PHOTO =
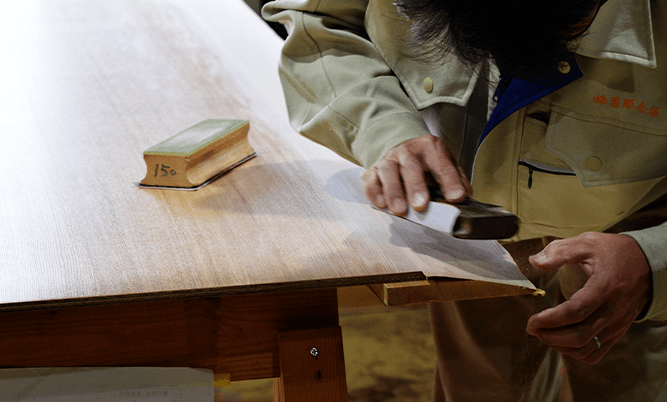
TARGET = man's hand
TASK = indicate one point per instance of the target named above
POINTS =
(617, 290)
(404, 169)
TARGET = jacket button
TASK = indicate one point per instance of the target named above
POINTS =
(594, 163)
(564, 67)
(428, 84)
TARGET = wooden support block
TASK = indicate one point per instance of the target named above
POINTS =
(358, 300)
(443, 289)
(194, 156)
(312, 366)
(278, 390)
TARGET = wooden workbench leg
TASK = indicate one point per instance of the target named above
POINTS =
(312, 366)
(277, 390)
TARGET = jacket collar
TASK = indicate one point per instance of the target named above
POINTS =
(623, 31)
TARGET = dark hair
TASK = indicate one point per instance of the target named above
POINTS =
(529, 34)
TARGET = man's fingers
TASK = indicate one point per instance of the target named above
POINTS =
(589, 346)
(591, 354)
(392, 187)
(372, 186)
(403, 170)
(580, 306)
(440, 162)
(617, 289)
(450, 182)
(578, 353)
(598, 354)
(448, 176)
(560, 252)
(572, 336)
(412, 173)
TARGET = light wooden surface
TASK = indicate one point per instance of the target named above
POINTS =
(91, 85)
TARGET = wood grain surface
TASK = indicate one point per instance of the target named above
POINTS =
(91, 85)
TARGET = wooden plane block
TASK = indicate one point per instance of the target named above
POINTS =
(198, 154)
(443, 289)
(312, 366)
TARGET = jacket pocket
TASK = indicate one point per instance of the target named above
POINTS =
(553, 202)
(555, 197)
(543, 169)
(602, 153)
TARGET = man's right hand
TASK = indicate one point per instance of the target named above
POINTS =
(402, 175)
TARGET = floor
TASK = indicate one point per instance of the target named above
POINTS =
(389, 357)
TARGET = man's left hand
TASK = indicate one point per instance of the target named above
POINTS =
(617, 290)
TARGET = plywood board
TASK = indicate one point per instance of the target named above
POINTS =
(92, 84)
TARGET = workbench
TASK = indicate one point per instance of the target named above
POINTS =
(239, 277)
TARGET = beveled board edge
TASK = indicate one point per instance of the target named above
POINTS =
(211, 292)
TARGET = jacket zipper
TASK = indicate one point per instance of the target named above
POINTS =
(537, 167)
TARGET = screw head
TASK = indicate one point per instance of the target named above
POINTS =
(314, 352)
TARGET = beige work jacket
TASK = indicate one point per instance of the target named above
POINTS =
(588, 157)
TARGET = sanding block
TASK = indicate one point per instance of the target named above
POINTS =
(469, 219)
(198, 155)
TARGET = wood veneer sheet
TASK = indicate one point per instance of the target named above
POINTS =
(481, 260)
(484, 260)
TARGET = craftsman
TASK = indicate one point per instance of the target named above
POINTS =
(553, 108)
